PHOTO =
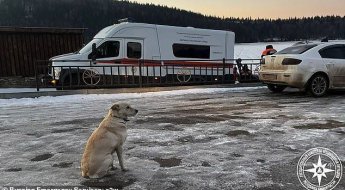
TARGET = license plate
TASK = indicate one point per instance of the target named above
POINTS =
(269, 77)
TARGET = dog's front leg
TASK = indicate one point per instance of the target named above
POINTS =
(119, 156)
(112, 167)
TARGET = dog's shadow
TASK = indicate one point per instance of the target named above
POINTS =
(118, 180)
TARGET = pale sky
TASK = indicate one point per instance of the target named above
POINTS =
(257, 8)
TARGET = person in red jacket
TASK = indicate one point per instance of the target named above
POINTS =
(268, 51)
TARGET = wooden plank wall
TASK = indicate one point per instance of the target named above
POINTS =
(20, 48)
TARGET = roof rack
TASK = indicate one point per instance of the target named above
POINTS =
(125, 20)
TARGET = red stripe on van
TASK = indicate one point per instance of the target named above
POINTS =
(167, 63)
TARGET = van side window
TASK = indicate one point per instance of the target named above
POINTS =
(337, 52)
(191, 51)
(108, 49)
(134, 50)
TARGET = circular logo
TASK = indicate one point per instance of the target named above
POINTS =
(319, 168)
(184, 75)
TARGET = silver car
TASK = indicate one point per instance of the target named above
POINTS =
(316, 67)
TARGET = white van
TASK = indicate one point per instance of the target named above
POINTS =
(126, 43)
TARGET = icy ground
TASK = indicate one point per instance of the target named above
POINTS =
(238, 139)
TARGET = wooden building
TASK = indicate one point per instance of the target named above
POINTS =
(21, 47)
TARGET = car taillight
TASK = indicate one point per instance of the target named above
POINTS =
(291, 61)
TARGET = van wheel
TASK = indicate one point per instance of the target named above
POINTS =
(66, 83)
(318, 85)
(276, 88)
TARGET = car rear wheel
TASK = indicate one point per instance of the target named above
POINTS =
(318, 85)
(276, 88)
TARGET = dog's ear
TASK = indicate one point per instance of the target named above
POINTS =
(115, 107)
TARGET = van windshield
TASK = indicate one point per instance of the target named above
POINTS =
(88, 46)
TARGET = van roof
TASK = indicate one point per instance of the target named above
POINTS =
(110, 31)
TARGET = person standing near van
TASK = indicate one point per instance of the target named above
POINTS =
(268, 51)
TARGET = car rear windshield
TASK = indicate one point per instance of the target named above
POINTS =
(297, 49)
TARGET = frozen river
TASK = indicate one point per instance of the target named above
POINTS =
(219, 138)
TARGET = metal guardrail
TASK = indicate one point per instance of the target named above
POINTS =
(143, 73)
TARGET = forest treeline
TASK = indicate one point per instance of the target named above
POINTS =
(96, 14)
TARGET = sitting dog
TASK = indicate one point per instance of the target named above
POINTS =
(107, 139)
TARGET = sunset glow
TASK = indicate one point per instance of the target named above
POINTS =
(257, 9)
